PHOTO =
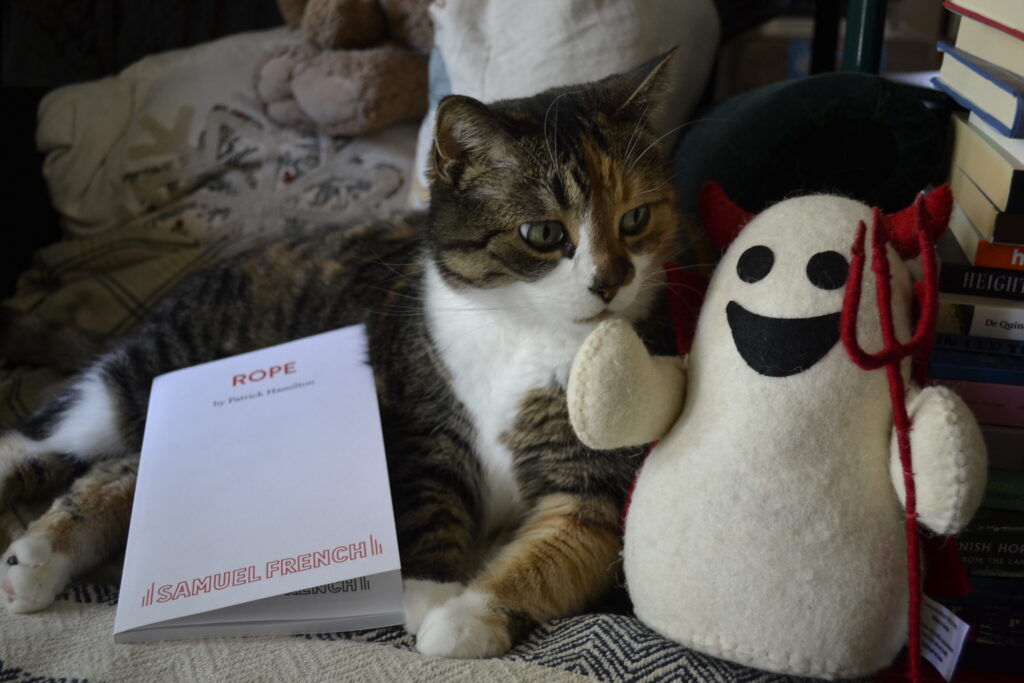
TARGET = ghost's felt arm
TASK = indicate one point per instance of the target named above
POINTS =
(949, 460)
(619, 395)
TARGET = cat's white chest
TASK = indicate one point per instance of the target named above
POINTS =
(495, 356)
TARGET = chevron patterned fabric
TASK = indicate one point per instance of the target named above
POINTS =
(72, 642)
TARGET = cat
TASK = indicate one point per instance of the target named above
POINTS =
(548, 214)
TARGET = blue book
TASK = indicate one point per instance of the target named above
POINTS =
(969, 80)
(985, 345)
(973, 366)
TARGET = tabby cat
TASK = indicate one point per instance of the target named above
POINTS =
(548, 215)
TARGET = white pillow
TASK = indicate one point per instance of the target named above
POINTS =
(179, 139)
(496, 49)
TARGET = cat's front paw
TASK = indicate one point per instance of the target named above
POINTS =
(31, 574)
(422, 595)
(464, 627)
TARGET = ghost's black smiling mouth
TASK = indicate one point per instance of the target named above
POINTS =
(780, 347)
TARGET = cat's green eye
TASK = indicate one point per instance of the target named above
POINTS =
(635, 220)
(543, 235)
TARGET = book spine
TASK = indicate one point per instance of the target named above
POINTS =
(947, 368)
(988, 21)
(990, 168)
(993, 543)
(1005, 446)
(987, 345)
(970, 104)
(986, 590)
(1014, 126)
(993, 255)
(1001, 283)
(996, 404)
(1000, 555)
(1012, 146)
(1004, 490)
(989, 319)
(977, 219)
(995, 611)
(994, 623)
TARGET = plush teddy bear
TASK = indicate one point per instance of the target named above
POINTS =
(363, 67)
(767, 526)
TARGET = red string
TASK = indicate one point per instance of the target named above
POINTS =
(891, 355)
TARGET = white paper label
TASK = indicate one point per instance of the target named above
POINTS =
(942, 636)
(997, 321)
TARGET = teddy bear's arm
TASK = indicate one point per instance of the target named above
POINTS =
(949, 460)
(620, 395)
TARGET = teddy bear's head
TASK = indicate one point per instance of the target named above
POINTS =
(357, 24)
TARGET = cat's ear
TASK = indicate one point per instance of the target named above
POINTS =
(641, 89)
(465, 131)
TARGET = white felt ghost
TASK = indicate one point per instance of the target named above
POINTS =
(767, 526)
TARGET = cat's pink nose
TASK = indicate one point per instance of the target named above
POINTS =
(606, 293)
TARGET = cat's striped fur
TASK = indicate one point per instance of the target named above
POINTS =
(548, 215)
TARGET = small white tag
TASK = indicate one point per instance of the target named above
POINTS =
(942, 636)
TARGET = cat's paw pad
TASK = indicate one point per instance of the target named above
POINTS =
(31, 574)
(465, 627)
(422, 595)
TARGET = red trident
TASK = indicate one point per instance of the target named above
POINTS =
(893, 352)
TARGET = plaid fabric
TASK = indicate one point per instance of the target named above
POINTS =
(105, 284)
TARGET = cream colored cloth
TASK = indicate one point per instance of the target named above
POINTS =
(72, 640)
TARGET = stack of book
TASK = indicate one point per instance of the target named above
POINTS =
(979, 349)
(984, 71)
(988, 373)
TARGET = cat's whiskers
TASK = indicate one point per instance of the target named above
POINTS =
(634, 137)
(691, 266)
(660, 185)
(655, 143)
(660, 138)
(416, 298)
(553, 147)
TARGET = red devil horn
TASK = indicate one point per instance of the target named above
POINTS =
(721, 217)
(939, 203)
(929, 213)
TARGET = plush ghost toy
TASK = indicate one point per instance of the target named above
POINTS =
(766, 527)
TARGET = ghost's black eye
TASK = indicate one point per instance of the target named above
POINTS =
(827, 270)
(755, 263)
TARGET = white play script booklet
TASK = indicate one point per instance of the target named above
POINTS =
(262, 504)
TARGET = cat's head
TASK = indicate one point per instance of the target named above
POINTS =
(561, 204)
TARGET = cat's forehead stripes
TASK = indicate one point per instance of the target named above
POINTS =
(607, 177)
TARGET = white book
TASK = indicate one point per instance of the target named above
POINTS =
(1013, 146)
(262, 504)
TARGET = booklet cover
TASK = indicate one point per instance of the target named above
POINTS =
(262, 504)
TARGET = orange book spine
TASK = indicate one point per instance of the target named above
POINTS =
(999, 255)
